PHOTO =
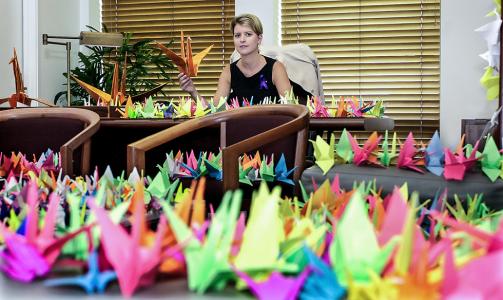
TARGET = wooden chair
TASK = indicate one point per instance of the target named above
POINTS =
(269, 128)
(34, 130)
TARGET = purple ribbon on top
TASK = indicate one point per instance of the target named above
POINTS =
(263, 82)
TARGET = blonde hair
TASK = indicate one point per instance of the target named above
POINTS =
(249, 20)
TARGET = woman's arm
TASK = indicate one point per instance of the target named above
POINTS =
(223, 89)
(224, 85)
(280, 78)
(187, 85)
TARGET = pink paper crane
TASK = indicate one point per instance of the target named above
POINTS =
(132, 261)
(365, 154)
(406, 157)
(457, 164)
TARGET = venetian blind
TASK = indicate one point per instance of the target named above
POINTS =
(206, 21)
(386, 49)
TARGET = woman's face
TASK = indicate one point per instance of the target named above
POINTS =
(246, 40)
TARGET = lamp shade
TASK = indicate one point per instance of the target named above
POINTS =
(106, 39)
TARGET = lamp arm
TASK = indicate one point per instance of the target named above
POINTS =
(46, 37)
(55, 43)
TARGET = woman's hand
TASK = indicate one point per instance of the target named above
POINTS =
(186, 83)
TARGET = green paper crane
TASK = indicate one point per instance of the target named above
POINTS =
(184, 108)
(491, 83)
(403, 257)
(149, 110)
(79, 246)
(355, 250)
(243, 175)
(267, 169)
(343, 148)
(324, 153)
(491, 160)
(201, 109)
(220, 106)
(305, 233)
(213, 166)
(15, 220)
(387, 155)
(208, 262)
(378, 109)
(471, 210)
(161, 186)
(260, 250)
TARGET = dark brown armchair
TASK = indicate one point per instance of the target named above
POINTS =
(33, 130)
(269, 128)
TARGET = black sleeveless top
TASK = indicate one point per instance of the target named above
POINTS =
(256, 87)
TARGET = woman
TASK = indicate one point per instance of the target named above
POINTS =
(253, 76)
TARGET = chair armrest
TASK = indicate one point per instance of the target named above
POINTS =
(230, 154)
(136, 151)
(83, 138)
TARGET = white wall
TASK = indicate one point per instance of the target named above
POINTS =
(268, 12)
(461, 95)
(59, 18)
(10, 37)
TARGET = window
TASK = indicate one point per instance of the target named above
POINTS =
(207, 21)
(387, 49)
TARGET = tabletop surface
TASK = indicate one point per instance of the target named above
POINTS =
(167, 289)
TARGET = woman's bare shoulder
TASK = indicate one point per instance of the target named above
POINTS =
(227, 68)
(226, 73)
(278, 65)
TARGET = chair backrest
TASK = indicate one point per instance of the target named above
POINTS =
(301, 65)
(268, 128)
(34, 130)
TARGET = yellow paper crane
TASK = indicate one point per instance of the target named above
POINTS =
(19, 96)
(186, 63)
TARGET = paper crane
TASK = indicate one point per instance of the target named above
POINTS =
(276, 286)
(31, 254)
(186, 63)
(117, 95)
(19, 95)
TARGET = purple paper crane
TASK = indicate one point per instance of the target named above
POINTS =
(31, 254)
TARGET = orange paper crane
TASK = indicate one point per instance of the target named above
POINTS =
(19, 95)
(114, 96)
(117, 95)
(186, 63)
(192, 211)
